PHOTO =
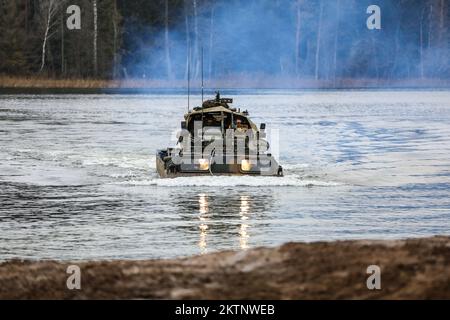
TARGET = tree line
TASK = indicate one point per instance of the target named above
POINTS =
(169, 39)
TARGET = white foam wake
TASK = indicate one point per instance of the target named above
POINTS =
(124, 162)
(293, 167)
(232, 181)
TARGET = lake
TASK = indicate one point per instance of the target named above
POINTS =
(78, 178)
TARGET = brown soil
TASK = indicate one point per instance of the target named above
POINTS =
(410, 269)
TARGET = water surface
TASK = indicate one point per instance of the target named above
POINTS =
(78, 180)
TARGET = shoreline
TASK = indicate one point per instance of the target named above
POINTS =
(36, 85)
(410, 269)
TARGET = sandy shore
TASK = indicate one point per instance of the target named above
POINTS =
(411, 269)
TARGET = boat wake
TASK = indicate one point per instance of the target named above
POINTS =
(233, 181)
(296, 175)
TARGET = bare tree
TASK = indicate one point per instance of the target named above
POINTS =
(430, 24)
(211, 38)
(62, 43)
(94, 53)
(188, 38)
(166, 40)
(336, 35)
(421, 43)
(297, 38)
(27, 13)
(318, 42)
(397, 47)
(442, 7)
(49, 10)
(115, 22)
(196, 42)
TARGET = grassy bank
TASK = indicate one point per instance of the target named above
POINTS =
(36, 82)
(240, 81)
(410, 269)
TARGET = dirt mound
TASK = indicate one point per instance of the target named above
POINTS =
(411, 269)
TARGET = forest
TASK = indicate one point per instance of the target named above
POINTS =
(321, 40)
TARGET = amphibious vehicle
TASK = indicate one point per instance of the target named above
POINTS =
(216, 139)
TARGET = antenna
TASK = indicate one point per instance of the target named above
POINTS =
(202, 75)
(189, 76)
(202, 94)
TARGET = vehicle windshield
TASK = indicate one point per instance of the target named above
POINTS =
(215, 119)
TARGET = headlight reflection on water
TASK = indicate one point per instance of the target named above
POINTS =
(204, 211)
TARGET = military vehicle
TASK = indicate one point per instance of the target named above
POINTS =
(216, 139)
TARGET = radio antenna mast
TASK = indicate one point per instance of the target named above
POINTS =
(202, 95)
(202, 75)
(189, 77)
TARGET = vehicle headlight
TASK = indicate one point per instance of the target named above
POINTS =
(203, 164)
(246, 165)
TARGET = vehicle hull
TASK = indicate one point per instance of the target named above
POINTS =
(166, 169)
